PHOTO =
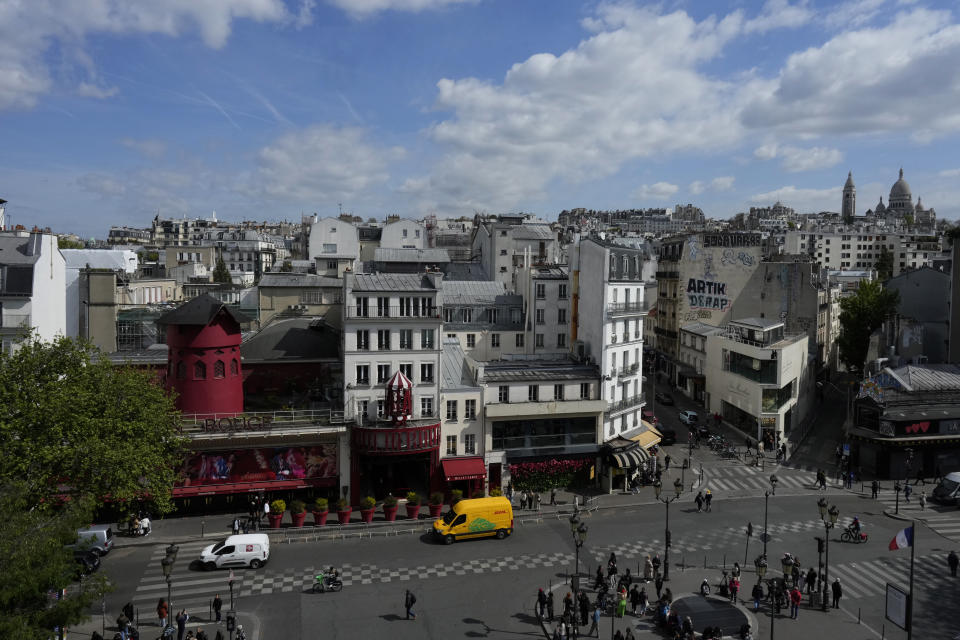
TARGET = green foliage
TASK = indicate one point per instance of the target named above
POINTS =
(456, 496)
(65, 243)
(478, 494)
(436, 498)
(221, 274)
(367, 503)
(413, 498)
(496, 492)
(34, 561)
(71, 423)
(860, 315)
(389, 501)
(884, 265)
(278, 506)
(286, 267)
(908, 219)
(298, 506)
(791, 225)
(321, 505)
(343, 504)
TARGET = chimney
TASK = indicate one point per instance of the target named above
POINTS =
(34, 244)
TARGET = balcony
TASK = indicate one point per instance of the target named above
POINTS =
(633, 402)
(393, 313)
(626, 372)
(627, 308)
(15, 321)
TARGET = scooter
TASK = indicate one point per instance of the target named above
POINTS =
(323, 582)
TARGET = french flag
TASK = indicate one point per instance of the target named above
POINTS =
(902, 540)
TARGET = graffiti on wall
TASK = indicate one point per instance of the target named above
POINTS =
(699, 314)
(741, 259)
(707, 294)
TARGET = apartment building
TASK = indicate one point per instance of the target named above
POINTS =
(860, 248)
(507, 243)
(298, 294)
(486, 322)
(32, 287)
(335, 247)
(546, 299)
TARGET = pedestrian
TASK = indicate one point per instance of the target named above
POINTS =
(796, 597)
(851, 477)
(907, 490)
(236, 526)
(923, 499)
(953, 561)
(128, 610)
(811, 580)
(217, 605)
(708, 499)
(596, 623)
(523, 500)
(874, 489)
(553, 496)
(567, 605)
(408, 601)
(541, 602)
(561, 631)
(757, 594)
(666, 461)
(656, 564)
(734, 588)
(182, 618)
(837, 593)
(629, 634)
(162, 612)
(538, 501)
(550, 606)
(618, 635)
(699, 501)
(634, 599)
(648, 569)
(584, 608)
(644, 601)
(658, 583)
(622, 604)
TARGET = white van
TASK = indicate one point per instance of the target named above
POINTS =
(948, 491)
(98, 538)
(249, 549)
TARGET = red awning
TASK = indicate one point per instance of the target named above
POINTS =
(248, 487)
(464, 469)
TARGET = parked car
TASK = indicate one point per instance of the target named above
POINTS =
(689, 417)
(97, 538)
(669, 436)
(647, 415)
(663, 398)
(87, 561)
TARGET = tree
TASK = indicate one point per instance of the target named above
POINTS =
(884, 265)
(74, 425)
(860, 315)
(220, 273)
(286, 267)
(66, 243)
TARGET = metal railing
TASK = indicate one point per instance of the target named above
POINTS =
(624, 404)
(258, 420)
(628, 371)
(394, 312)
(14, 320)
(627, 307)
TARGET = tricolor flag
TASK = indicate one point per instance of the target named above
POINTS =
(902, 540)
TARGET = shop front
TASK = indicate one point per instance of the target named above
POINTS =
(394, 459)
(465, 473)
(625, 462)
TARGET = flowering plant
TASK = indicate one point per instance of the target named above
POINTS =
(542, 475)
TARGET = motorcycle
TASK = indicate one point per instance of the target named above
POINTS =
(323, 582)
(849, 535)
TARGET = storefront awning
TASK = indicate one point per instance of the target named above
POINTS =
(649, 437)
(631, 458)
(463, 469)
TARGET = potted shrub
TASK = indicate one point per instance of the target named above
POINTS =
(455, 496)
(343, 510)
(478, 494)
(413, 505)
(495, 492)
(436, 504)
(390, 507)
(298, 512)
(277, 507)
(367, 509)
(321, 509)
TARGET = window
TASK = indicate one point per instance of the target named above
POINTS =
(383, 373)
(331, 264)
(381, 408)
(406, 339)
(407, 370)
(182, 369)
(584, 390)
(363, 374)
(234, 367)
(561, 339)
(471, 340)
(539, 338)
(503, 252)
(363, 307)
(219, 369)
(451, 445)
(199, 371)
(416, 233)
(362, 408)
(451, 409)
(494, 339)
(533, 393)
(562, 291)
(329, 248)
(541, 316)
(470, 409)
(492, 315)
(426, 339)
(470, 443)
(562, 316)
(541, 291)
(426, 372)
(503, 269)
(519, 340)
(404, 233)
(383, 339)
(426, 407)
(383, 307)
(503, 394)
(558, 392)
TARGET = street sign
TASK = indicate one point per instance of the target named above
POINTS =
(898, 605)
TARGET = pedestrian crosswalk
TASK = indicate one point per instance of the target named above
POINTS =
(944, 520)
(869, 578)
(738, 478)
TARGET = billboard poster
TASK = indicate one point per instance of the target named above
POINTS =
(262, 464)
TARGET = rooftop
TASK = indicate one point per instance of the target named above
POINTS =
(550, 273)
(930, 377)
(701, 329)
(299, 339)
(432, 256)
(454, 373)
(533, 232)
(533, 370)
(477, 292)
(292, 279)
(200, 311)
(759, 323)
(391, 282)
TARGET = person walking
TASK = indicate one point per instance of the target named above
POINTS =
(734, 588)
(541, 602)
(644, 601)
(923, 500)
(647, 569)
(699, 501)
(523, 500)
(634, 599)
(953, 561)
(796, 597)
(811, 580)
(907, 490)
(757, 594)
(182, 619)
(666, 462)
(550, 606)
(595, 626)
(708, 499)
(538, 501)
(584, 609)
(656, 564)
(658, 583)
(553, 496)
(217, 606)
(408, 601)
(163, 610)
(874, 489)
(837, 593)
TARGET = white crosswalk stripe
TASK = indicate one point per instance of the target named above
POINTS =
(867, 579)
(944, 520)
(739, 478)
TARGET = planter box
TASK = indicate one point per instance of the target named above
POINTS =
(298, 518)
(275, 519)
(436, 510)
(390, 513)
(320, 518)
(367, 515)
(413, 510)
(344, 516)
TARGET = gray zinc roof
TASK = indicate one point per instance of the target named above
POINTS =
(544, 370)
(300, 339)
(533, 232)
(762, 323)
(388, 282)
(930, 377)
(701, 329)
(432, 256)
(292, 279)
(454, 373)
(474, 292)
(13, 250)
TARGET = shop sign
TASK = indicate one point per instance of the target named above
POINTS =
(239, 423)
(950, 427)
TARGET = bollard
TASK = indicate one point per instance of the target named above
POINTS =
(858, 615)
(724, 561)
(202, 523)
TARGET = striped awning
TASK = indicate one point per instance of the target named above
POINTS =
(630, 458)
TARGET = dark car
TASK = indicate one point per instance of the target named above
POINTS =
(87, 561)
(663, 398)
(669, 436)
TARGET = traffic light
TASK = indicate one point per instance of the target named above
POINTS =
(820, 543)
(231, 621)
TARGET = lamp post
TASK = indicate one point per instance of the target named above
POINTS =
(166, 565)
(761, 565)
(829, 518)
(766, 504)
(678, 488)
(897, 488)
(578, 530)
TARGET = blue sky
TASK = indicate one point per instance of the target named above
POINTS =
(113, 110)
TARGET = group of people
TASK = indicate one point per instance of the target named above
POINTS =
(531, 499)
(180, 621)
(139, 524)
(703, 500)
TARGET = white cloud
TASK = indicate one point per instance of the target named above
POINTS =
(852, 14)
(720, 183)
(801, 199)
(949, 173)
(656, 191)
(696, 187)
(101, 184)
(799, 159)
(150, 148)
(322, 164)
(29, 29)
(779, 14)
(364, 8)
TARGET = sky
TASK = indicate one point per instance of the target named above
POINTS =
(112, 111)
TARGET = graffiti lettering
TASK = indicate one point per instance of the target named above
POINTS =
(698, 301)
(705, 286)
(240, 423)
(731, 240)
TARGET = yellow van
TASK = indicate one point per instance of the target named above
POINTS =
(475, 519)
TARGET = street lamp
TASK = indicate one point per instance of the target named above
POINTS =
(578, 530)
(678, 488)
(897, 488)
(761, 564)
(166, 565)
(829, 518)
